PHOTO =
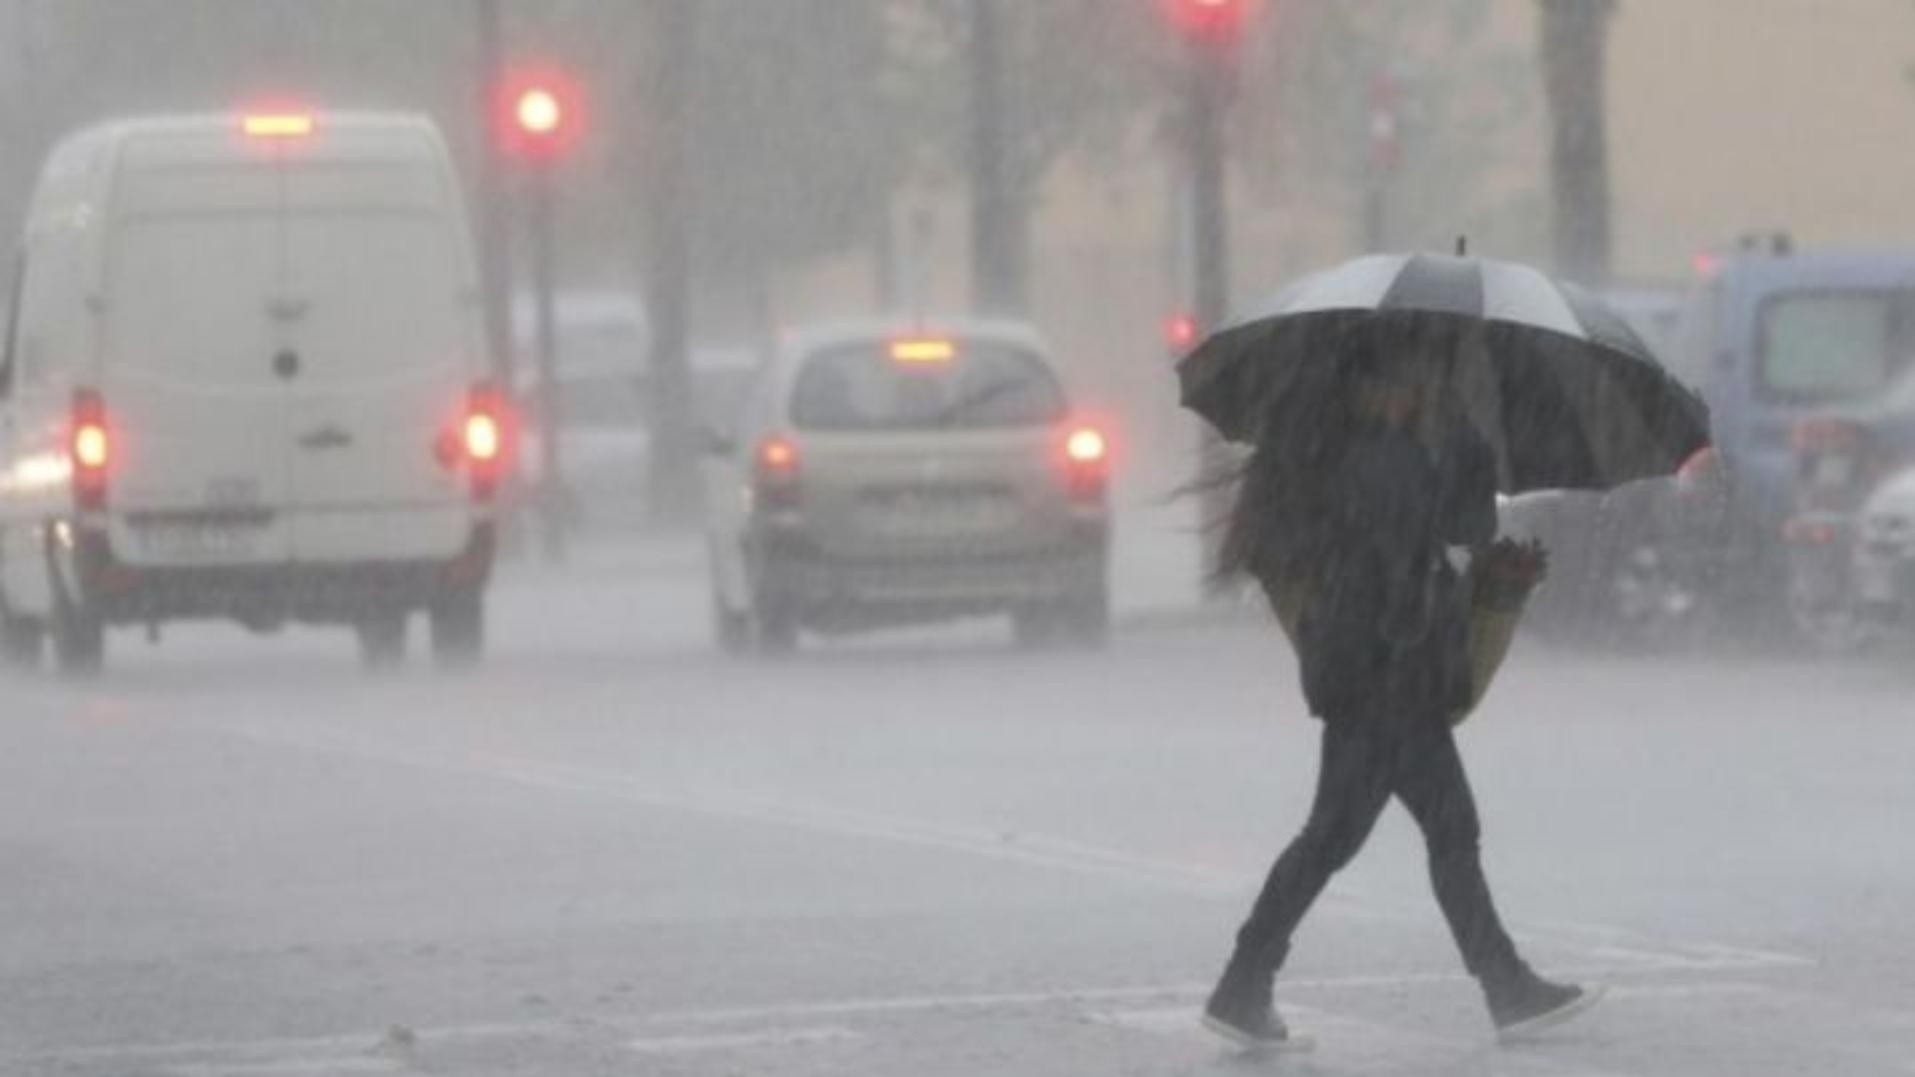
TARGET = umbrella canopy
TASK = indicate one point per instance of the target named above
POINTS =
(1559, 385)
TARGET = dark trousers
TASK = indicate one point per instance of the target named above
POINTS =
(1365, 762)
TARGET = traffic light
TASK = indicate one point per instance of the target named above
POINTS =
(539, 116)
(1208, 20)
(538, 112)
(1181, 333)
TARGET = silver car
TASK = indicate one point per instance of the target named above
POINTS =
(883, 474)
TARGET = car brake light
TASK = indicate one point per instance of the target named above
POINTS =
(482, 437)
(1086, 462)
(777, 455)
(91, 447)
(277, 125)
(1086, 446)
(923, 351)
(775, 470)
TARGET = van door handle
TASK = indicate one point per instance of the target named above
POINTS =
(286, 364)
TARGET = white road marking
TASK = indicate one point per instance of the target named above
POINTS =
(1701, 989)
(1034, 849)
(1157, 1006)
(789, 1037)
(285, 1067)
(1157, 1019)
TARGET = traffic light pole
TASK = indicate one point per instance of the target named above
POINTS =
(551, 493)
(1211, 80)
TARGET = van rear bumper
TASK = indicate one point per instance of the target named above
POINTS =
(264, 596)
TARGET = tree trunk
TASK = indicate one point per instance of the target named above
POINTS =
(665, 99)
(1573, 43)
(1000, 218)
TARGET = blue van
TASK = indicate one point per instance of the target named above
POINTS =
(1786, 348)
(1776, 340)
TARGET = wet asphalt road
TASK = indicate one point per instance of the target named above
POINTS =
(612, 851)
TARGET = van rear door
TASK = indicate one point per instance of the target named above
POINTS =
(197, 413)
(382, 324)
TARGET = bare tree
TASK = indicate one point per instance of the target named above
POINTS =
(1000, 212)
(1038, 80)
(667, 88)
(1573, 45)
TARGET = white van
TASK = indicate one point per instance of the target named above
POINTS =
(244, 377)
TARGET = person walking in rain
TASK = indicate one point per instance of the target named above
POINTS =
(1349, 520)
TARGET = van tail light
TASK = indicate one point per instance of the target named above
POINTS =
(775, 472)
(1086, 462)
(90, 446)
(485, 438)
(1826, 436)
(1810, 531)
(1834, 461)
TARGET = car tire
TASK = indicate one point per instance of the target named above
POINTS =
(1036, 627)
(382, 641)
(79, 640)
(1080, 621)
(774, 623)
(774, 631)
(457, 622)
(1828, 629)
(1087, 619)
(22, 642)
(731, 629)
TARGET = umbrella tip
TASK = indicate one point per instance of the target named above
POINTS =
(1462, 246)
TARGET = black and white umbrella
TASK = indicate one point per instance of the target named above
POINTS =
(1562, 388)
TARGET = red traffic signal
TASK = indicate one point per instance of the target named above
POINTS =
(1212, 20)
(1181, 332)
(538, 112)
(539, 115)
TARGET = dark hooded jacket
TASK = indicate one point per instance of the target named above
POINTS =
(1383, 632)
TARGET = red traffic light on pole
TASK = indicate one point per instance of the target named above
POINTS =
(538, 112)
(539, 115)
(1212, 20)
(1181, 333)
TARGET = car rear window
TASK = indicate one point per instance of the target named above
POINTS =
(1830, 346)
(863, 387)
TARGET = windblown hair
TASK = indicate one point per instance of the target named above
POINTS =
(1279, 523)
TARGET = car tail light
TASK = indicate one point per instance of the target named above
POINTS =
(775, 472)
(91, 448)
(1086, 462)
(484, 438)
(1826, 435)
(1809, 531)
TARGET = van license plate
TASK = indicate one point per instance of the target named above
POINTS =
(196, 541)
